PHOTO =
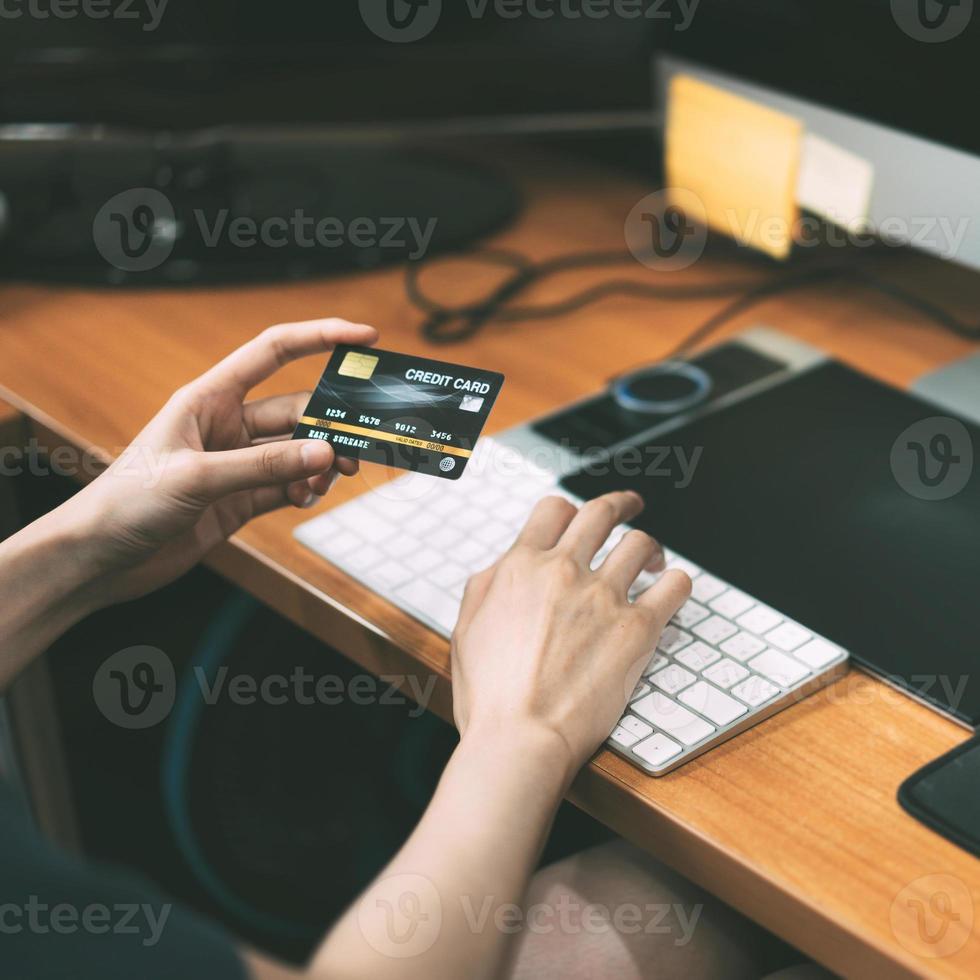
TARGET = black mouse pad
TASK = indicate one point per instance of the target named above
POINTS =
(849, 505)
(945, 795)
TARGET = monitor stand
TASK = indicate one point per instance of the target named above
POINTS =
(157, 210)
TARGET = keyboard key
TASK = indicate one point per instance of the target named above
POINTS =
(641, 688)
(423, 560)
(732, 603)
(512, 512)
(755, 691)
(473, 554)
(402, 545)
(788, 636)
(391, 574)
(624, 738)
(657, 749)
(432, 601)
(706, 587)
(656, 662)
(697, 656)
(714, 630)
(492, 533)
(446, 574)
(712, 703)
(817, 653)
(424, 522)
(458, 589)
(780, 669)
(673, 718)
(690, 613)
(742, 646)
(759, 620)
(681, 564)
(341, 544)
(725, 673)
(672, 679)
(445, 538)
(443, 503)
(672, 639)
(362, 558)
(468, 518)
(636, 727)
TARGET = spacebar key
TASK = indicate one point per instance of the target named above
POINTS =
(437, 604)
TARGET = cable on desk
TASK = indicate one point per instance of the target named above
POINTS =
(447, 324)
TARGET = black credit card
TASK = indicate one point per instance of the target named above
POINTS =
(399, 410)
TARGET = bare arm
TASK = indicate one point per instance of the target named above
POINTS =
(545, 655)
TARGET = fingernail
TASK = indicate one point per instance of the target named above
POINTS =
(309, 500)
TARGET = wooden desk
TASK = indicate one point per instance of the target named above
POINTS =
(795, 822)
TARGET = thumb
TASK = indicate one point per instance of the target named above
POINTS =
(267, 465)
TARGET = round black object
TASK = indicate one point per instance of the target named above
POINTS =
(136, 215)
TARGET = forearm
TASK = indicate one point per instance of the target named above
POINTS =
(47, 573)
(436, 911)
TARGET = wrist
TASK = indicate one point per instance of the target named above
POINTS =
(525, 745)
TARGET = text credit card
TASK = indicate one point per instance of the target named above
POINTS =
(399, 410)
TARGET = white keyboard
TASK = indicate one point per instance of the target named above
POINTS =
(725, 663)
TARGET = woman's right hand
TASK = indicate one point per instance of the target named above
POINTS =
(547, 651)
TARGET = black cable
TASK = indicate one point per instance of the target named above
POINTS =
(447, 324)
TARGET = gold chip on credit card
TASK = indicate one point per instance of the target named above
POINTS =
(357, 365)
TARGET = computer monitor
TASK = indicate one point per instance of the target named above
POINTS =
(888, 80)
(266, 111)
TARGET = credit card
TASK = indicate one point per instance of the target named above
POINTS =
(398, 410)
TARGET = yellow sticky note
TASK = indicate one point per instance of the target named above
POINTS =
(741, 160)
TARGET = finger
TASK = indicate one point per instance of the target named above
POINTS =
(263, 466)
(267, 499)
(547, 523)
(322, 483)
(275, 347)
(347, 466)
(276, 416)
(666, 595)
(634, 553)
(596, 520)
